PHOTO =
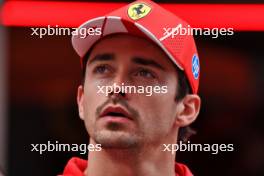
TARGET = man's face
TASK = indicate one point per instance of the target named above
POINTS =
(130, 119)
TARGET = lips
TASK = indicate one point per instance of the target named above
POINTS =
(115, 112)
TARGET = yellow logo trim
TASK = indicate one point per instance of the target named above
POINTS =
(138, 10)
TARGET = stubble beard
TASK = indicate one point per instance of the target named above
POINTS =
(116, 138)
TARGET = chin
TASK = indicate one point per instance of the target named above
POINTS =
(116, 139)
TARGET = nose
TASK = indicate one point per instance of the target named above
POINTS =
(118, 86)
(117, 94)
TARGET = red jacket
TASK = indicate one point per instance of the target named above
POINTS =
(76, 167)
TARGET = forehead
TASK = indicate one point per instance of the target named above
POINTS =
(130, 46)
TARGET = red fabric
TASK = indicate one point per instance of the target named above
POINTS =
(180, 48)
(76, 167)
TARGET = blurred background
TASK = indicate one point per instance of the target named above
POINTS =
(39, 79)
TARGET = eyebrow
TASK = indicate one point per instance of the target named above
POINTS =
(147, 62)
(102, 57)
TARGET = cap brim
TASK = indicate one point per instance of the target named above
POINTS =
(111, 25)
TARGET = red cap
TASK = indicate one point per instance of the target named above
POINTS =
(147, 19)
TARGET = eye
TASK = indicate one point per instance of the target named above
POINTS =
(101, 69)
(145, 73)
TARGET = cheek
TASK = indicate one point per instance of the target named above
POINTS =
(92, 100)
(157, 112)
(161, 103)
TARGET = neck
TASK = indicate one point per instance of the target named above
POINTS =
(149, 161)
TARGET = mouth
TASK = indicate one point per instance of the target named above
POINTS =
(115, 112)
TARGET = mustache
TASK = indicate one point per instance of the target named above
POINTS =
(115, 101)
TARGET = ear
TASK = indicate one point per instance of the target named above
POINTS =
(80, 97)
(188, 110)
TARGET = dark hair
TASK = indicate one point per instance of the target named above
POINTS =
(84, 62)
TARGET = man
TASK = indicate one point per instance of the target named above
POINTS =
(132, 128)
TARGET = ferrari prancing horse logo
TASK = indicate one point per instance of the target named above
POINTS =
(138, 10)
